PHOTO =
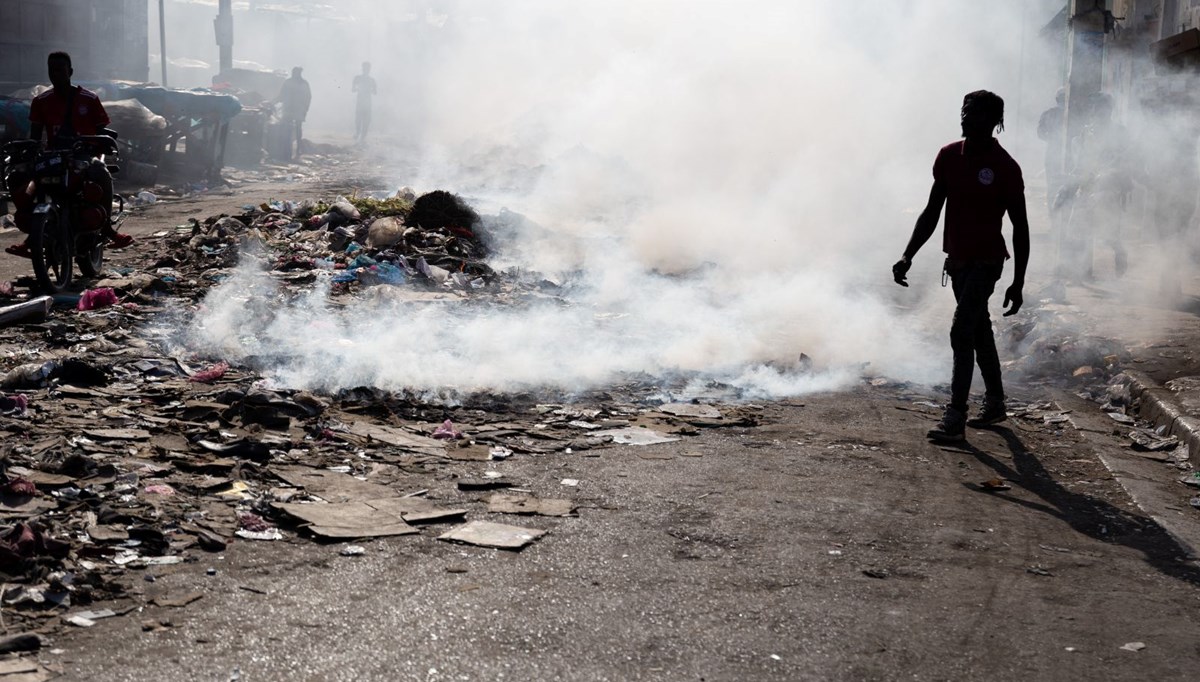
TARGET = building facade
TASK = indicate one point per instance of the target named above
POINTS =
(107, 39)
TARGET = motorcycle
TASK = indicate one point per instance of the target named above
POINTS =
(68, 206)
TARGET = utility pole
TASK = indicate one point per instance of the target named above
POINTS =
(1085, 71)
(224, 28)
(162, 40)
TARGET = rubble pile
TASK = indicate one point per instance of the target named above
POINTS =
(121, 454)
(1050, 345)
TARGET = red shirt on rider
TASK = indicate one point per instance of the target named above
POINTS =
(49, 110)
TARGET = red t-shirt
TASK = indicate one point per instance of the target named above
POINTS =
(980, 188)
(50, 110)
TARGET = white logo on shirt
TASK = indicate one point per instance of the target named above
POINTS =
(986, 176)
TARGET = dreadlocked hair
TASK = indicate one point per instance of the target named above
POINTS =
(987, 104)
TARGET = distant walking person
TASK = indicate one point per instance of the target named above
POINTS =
(364, 86)
(295, 97)
(1050, 130)
(978, 182)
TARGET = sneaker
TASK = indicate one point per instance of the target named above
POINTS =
(951, 429)
(119, 240)
(993, 412)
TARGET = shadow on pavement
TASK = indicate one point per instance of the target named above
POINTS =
(1085, 514)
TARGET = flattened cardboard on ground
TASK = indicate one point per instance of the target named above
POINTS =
(691, 410)
(496, 535)
(108, 533)
(347, 520)
(23, 670)
(636, 436)
(416, 509)
(117, 434)
(398, 438)
(23, 507)
(332, 486)
(503, 503)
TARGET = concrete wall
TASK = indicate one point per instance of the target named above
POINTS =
(107, 39)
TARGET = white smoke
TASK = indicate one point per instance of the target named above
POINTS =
(731, 181)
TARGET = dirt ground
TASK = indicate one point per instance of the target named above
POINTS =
(829, 542)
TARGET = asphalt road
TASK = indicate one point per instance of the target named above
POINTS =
(831, 542)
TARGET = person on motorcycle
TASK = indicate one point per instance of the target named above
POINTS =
(48, 113)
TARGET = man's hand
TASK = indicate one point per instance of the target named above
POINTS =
(1013, 295)
(900, 271)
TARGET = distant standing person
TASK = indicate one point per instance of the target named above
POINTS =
(364, 86)
(295, 98)
(1050, 130)
(978, 182)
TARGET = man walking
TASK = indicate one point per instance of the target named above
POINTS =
(978, 182)
(295, 98)
(364, 87)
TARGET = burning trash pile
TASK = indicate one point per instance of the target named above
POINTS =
(124, 453)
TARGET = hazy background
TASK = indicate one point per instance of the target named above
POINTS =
(783, 148)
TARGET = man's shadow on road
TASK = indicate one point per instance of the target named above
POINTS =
(1088, 515)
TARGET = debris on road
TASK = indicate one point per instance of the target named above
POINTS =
(495, 535)
(527, 504)
(122, 449)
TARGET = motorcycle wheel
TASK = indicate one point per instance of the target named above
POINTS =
(51, 249)
(91, 261)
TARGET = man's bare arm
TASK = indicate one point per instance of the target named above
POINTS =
(927, 221)
(922, 231)
(1020, 221)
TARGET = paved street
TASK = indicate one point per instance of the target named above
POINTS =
(831, 542)
(828, 541)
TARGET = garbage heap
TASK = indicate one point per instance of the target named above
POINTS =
(121, 456)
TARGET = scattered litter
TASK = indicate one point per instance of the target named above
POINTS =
(691, 410)
(1152, 442)
(496, 535)
(353, 550)
(994, 484)
(94, 299)
(348, 520)
(33, 309)
(214, 373)
(527, 504)
(570, 482)
(447, 431)
(1133, 646)
(635, 436)
(178, 602)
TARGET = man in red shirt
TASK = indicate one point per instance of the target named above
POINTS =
(61, 113)
(978, 182)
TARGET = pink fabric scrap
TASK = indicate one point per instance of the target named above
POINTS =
(253, 522)
(6, 289)
(207, 376)
(159, 489)
(20, 486)
(16, 404)
(447, 431)
(93, 299)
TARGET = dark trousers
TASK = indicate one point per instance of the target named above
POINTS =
(362, 121)
(971, 336)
